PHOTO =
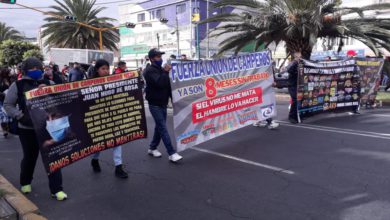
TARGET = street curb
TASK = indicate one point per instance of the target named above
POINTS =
(25, 209)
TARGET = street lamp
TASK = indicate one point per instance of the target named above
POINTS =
(165, 21)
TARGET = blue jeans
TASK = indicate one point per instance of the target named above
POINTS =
(160, 131)
(116, 154)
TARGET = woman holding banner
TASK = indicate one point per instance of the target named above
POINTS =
(102, 68)
(15, 106)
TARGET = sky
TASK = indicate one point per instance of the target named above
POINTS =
(28, 21)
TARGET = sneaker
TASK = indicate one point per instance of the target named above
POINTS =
(26, 189)
(120, 173)
(261, 124)
(154, 153)
(60, 196)
(273, 125)
(96, 166)
(293, 120)
(175, 157)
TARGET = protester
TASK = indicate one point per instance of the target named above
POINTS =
(158, 92)
(91, 69)
(5, 82)
(50, 73)
(19, 71)
(267, 123)
(146, 62)
(76, 74)
(121, 68)
(352, 54)
(15, 106)
(328, 58)
(183, 57)
(102, 68)
(172, 57)
(292, 69)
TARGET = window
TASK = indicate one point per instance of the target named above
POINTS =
(160, 13)
(152, 15)
(181, 8)
(141, 17)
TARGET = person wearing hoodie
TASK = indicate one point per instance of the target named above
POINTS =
(102, 68)
(15, 107)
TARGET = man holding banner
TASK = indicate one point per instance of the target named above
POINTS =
(158, 92)
(292, 69)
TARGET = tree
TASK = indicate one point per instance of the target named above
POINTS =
(12, 52)
(68, 34)
(299, 23)
(7, 33)
(33, 53)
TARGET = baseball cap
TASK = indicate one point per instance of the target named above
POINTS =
(154, 52)
(31, 63)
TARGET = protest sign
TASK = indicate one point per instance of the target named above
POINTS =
(371, 76)
(214, 97)
(328, 86)
(75, 120)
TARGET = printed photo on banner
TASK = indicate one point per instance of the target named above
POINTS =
(215, 97)
(328, 86)
(74, 120)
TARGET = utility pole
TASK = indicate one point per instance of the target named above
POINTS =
(207, 30)
(99, 30)
(191, 28)
(177, 35)
(158, 41)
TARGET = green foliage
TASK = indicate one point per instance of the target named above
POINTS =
(33, 53)
(69, 34)
(12, 52)
(299, 23)
(8, 33)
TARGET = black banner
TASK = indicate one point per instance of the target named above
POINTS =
(75, 120)
(328, 86)
(371, 76)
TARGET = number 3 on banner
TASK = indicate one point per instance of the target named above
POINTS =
(211, 91)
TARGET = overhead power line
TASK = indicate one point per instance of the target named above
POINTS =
(97, 3)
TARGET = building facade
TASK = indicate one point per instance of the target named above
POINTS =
(178, 36)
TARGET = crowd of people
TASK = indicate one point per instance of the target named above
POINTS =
(32, 74)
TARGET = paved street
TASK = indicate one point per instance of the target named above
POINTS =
(330, 167)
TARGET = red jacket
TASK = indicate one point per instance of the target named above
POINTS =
(119, 71)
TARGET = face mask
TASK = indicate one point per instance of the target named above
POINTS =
(159, 63)
(57, 128)
(35, 74)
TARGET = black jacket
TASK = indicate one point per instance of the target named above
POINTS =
(292, 70)
(158, 87)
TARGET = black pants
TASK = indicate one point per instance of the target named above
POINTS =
(293, 109)
(30, 147)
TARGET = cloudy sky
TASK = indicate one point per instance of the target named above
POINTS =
(28, 21)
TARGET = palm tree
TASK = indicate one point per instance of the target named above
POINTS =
(68, 34)
(9, 33)
(299, 23)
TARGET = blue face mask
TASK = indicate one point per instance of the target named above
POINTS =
(57, 128)
(35, 74)
(159, 63)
